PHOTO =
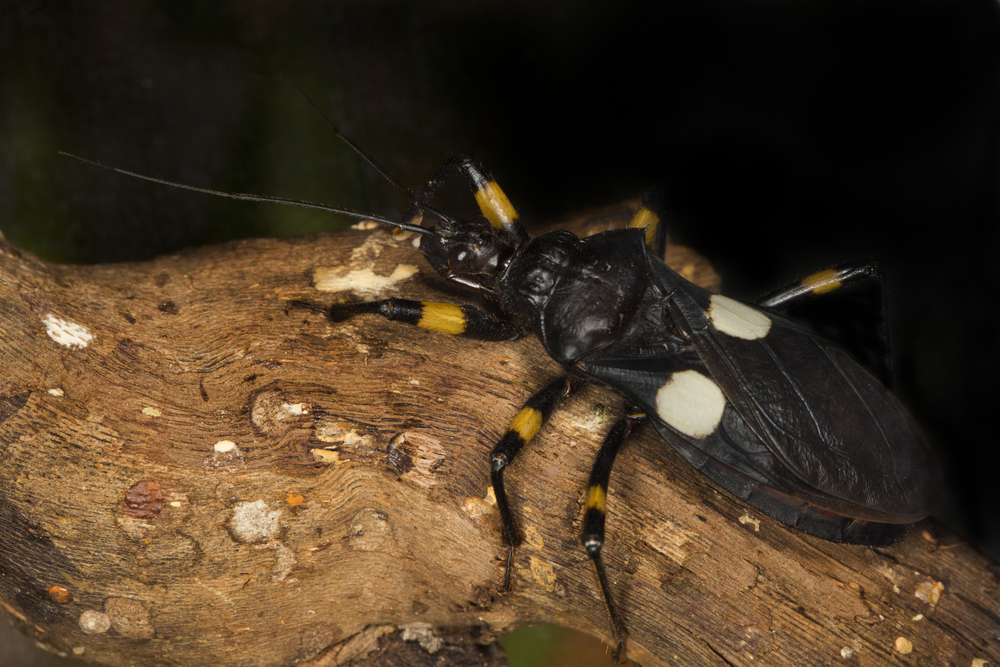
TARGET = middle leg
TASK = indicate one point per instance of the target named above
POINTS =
(522, 429)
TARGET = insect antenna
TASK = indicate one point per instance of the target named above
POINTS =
(423, 206)
(263, 198)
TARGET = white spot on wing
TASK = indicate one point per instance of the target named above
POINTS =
(736, 319)
(66, 333)
(690, 403)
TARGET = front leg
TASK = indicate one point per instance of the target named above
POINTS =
(437, 316)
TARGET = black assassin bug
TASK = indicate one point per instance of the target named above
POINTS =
(779, 417)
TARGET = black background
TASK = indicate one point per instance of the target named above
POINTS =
(790, 135)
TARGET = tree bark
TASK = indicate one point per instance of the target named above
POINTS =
(192, 474)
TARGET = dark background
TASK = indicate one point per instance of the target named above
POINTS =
(790, 135)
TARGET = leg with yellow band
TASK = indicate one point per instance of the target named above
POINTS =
(493, 203)
(522, 429)
(833, 280)
(437, 316)
(596, 510)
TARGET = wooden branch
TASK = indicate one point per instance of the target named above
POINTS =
(191, 475)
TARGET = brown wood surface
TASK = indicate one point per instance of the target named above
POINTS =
(212, 480)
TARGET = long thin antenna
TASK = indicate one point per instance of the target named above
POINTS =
(264, 198)
(424, 206)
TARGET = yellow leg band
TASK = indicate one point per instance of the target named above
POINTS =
(526, 423)
(443, 317)
(645, 219)
(495, 206)
(597, 499)
(822, 282)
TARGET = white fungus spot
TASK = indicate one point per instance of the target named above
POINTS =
(691, 403)
(224, 446)
(254, 522)
(423, 634)
(846, 652)
(295, 408)
(57, 392)
(175, 503)
(736, 319)
(362, 281)
(94, 622)
(66, 333)
(150, 411)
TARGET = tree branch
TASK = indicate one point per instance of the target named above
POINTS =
(191, 475)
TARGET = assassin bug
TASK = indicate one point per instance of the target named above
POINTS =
(779, 417)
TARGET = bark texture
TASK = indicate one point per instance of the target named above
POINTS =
(190, 475)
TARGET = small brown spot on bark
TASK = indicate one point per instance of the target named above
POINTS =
(201, 390)
(169, 307)
(161, 279)
(143, 500)
(60, 595)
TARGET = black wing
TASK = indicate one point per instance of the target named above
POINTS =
(849, 442)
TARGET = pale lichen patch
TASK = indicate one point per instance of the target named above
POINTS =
(533, 538)
(903, 646)
(285, 561)
(543, 573)
(254, 522)
(343, 433)
(57, 392)
(94, 622)
(67, 333)
(295, 409)
(423, 634)
(150, 411)
(361, 281)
